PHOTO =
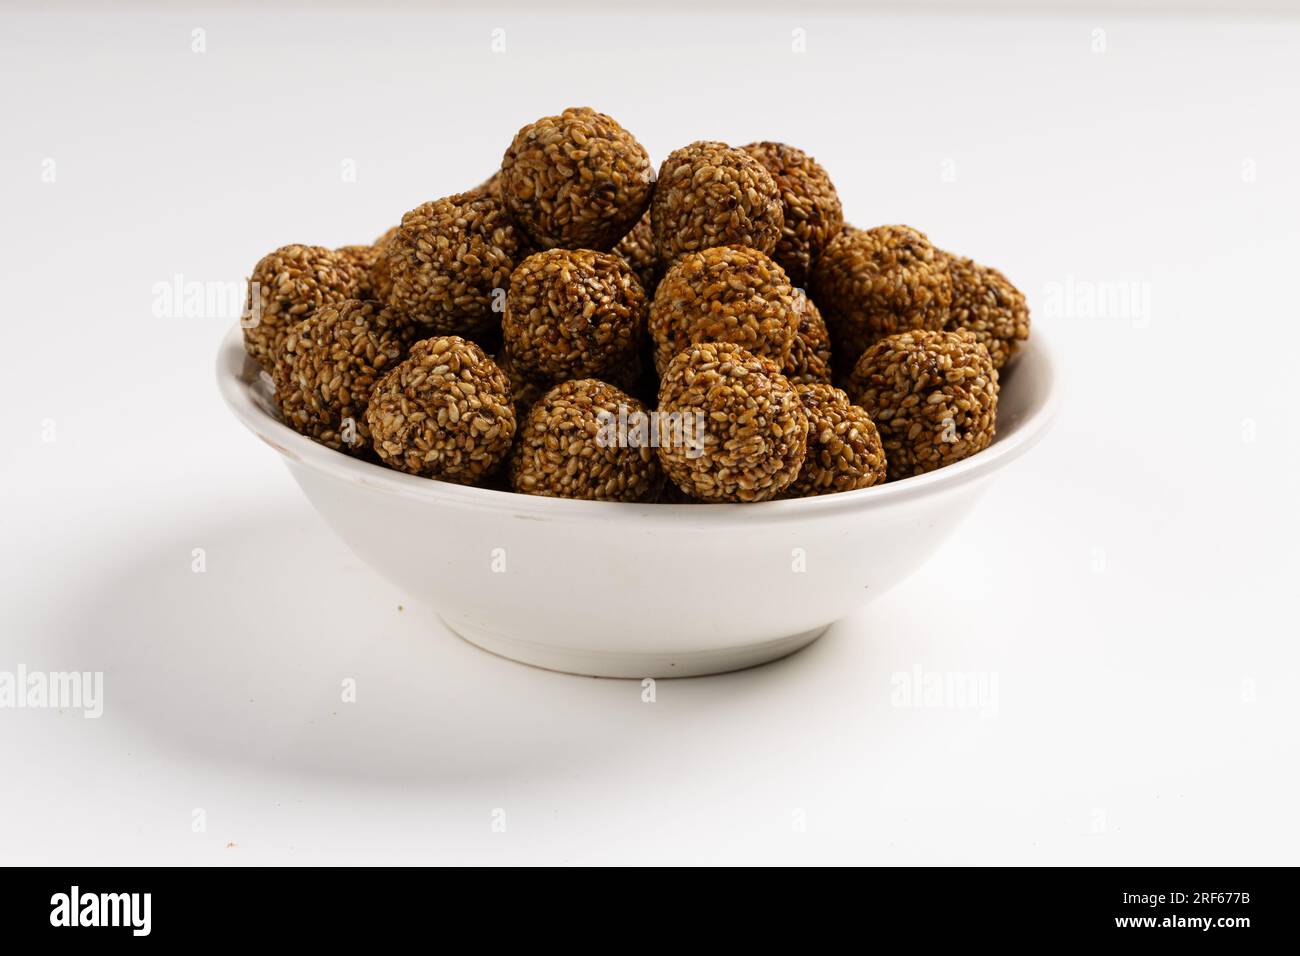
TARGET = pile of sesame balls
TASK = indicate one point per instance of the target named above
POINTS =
(505, 336)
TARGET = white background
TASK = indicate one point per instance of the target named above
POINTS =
(1129, 585)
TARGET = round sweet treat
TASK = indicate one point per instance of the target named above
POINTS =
(576, 181)
(449, 264)
(638, 250)
(709, 194)
(573, 313)
(288, 285)
(444, 412)
(327, 365)
(586, 439)
(725, 294)
(381, 287)
(932, 395)
(362, 260)
(810, 207)
(874, 282)
(844, 449)
(731, 426)
(987, 305)
(810, 353)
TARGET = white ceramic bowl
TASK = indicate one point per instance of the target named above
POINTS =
(620, 590)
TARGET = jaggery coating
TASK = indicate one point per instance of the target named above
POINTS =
(327, 366)
(443, 412)
(810, 353)
(291, 283)
(710, 194)
(571, 445)
(932, 395)
(985, 303)
(755, 431)
(638, 250)
(573, 313)
(725, 294)
(576, 181)
(447, 261)
(844, 448)
(870, 283)
(810, 207)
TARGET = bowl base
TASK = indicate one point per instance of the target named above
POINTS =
(632, 664)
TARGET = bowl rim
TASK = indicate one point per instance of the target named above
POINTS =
(236, 391)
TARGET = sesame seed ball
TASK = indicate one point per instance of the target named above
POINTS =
(523, 390)
(709, 194)
(292, 282)
(573, 313)
(381, 286)
(446, 261)
(327, 365)
(810, 207)
(444, 412)
(932, 395)
(638, 250)
(570, 446)
(724, 294)
(844, 449)
(362, 260)
(577, 180)
(874, 282)
(985, 303)
(755, 432)
(810, 353)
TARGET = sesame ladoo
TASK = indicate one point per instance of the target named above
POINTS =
(381, 286)
(986, 304)
(576, 181)
(810, 353)
(725, 294)
(810, 207)
(638, 250)
(710, 194)
(447, 261)
(573, 313)
(755, 431)
(932, 395)
(870, 283)
(444, 412)
(571, 446)
(327, 366)
(289, 284)
(844, 448)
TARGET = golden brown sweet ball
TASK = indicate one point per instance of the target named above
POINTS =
(810, 354)
(986, 304)
(810, 207)
(638, 250)
(576, 181)
(844, 448)
(444, 412)
(586, 439)
(725, 294)
(286, 286)
(742, 431)
(573, 313)
(710, 194)
(327, 366)
(449, 264)
(932, 395)
(871, 283)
